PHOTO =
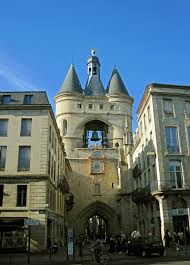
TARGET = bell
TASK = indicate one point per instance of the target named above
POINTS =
(94, 137)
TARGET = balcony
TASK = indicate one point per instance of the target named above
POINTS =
(138, 194)
(167, 185)
(136, 171)
(173, 150)
(62, 184)
(155, 187)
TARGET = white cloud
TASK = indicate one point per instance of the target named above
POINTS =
(15, 79)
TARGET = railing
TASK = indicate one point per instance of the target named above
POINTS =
(173, 150)
(136, 171)
(155, 186)
(63, 184)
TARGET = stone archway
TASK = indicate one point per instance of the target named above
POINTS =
(97, 208)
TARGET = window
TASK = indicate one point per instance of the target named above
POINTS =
(151, 135)
(6, 99)
(148, 112)
(28, 99)
(141, 129)
(79, 106)
(24, 158)
(49, 162)
(3, 127)
(1, 195)
(144, 118)
(64, 127)
(26, 127)
(188, 109)
(175, 174)
(50, 133)
(172, 140)
(90, 106)
(89, 70)
(3, 151)
(96, 189)
(21, 195)
(112, 107)
(168, 108)
(188, 134)
(101, 106)
(94, 71)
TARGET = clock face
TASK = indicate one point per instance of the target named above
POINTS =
(97, 166)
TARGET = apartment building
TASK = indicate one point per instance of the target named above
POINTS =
(34, 172)
(161, 161)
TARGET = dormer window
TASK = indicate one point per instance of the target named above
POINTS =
(79, 106)
(112, 107)
(28, 99)
(94, 70)
(6, 99)
(90, 106)
(101, 106)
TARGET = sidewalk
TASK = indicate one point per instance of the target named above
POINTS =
(60, 257)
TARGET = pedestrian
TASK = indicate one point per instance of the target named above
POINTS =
(112, 243)
(167, 238)
(177, 241)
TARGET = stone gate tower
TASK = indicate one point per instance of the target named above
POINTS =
(96, 127)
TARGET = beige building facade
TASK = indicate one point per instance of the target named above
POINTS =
(34, 172)
(161, 161)
(96, 128)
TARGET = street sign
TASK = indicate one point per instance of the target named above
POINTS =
(30, 221)
(70, 241)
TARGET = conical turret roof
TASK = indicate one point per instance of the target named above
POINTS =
(71, 83)
(94, 86)
(116, 85)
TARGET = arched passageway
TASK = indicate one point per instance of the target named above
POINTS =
(97, 217)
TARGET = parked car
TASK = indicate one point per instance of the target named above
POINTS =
(145, 246)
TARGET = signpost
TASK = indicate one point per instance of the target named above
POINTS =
(28, 222)
(70, 242)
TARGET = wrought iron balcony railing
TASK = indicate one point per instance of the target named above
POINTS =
(157, 187)
(136, 171)
(63, 184)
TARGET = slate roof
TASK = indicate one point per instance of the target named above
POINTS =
(94, 86)
(18, 97)
(71, 83)
(116, 85)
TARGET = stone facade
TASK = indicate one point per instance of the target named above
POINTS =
(78, 113)
(33, 184)
(161, 160)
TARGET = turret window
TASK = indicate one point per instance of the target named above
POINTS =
(64, 127)
(94, 70)
(90, 106)
(112, 107)
(89, 70)
(101, 106)
(79, 106)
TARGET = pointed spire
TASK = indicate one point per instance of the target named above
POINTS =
(116, 85)
(94, 86)
(71, 83)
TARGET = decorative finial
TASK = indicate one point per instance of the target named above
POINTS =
(93, 51)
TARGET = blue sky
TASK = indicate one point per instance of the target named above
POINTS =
(147, 40)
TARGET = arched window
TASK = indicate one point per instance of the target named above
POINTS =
(64, 127)
(94, 70)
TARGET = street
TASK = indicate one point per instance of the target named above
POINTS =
(178, 259)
